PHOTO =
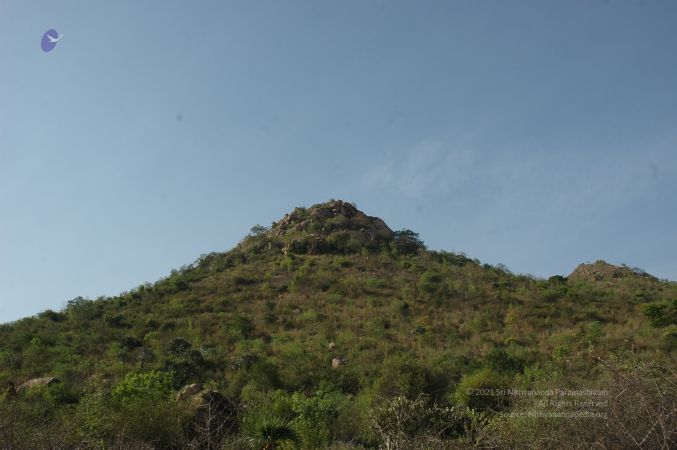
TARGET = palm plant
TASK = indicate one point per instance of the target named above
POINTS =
(269, 433)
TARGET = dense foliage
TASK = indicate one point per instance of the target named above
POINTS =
(330, 330)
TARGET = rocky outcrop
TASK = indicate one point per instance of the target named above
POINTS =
(332, 227)
(602, 271)
(324, 218)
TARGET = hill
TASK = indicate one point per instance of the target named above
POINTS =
(318, 331)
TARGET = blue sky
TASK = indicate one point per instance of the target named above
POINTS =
(537, 134)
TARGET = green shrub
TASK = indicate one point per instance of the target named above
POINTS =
(314, 417)
(345, 241)
(243, 325)
(482, 390)
(342, 263)
(430, 281)
(501, 361)
(402, 376)
(140, 406)
(661, 314)
(150, 386)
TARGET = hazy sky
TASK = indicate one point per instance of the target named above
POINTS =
(538, 134)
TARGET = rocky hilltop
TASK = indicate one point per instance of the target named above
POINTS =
(332, 227)
(602, 271)
(329, 217)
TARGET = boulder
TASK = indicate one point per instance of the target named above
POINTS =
(210, 399)
(45, 381)
(213, 415)
(188, 391)
(211, 406)
(337, 362)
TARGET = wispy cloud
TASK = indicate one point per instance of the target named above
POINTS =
(429, 168)
(554, 183)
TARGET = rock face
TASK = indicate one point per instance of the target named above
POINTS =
(603, 271)
(46, 381)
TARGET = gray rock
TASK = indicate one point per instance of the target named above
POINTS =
(188, 391)
(45, 381)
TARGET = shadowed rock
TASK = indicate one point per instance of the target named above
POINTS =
(214, 411)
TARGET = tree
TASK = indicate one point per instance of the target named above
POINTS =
(258, 230)
(406, 242)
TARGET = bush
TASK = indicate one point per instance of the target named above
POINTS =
(402, 377)
(636, 410)
(150, 386)
(243, 325)
(345, 241)
(178, 347)
(130, 343)
(430, 281)
(661, 314)
(500, 361)
(402, 423)
(481, 390)
(140, 406)
(314, 417)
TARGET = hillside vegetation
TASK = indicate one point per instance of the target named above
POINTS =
(330, 330)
